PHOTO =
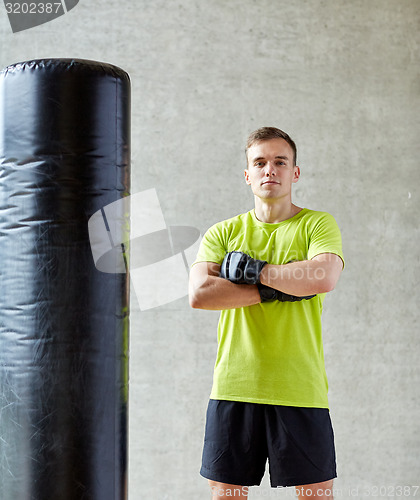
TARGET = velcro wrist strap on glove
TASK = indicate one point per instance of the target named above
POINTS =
(285, 297)
(268, 294)
(253, 270)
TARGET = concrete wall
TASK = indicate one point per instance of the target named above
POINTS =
(342, 77)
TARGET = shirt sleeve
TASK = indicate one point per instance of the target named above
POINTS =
(212, 247)
(325, 237)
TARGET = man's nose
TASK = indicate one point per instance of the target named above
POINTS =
(269, 168)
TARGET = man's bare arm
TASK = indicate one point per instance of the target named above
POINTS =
(307, 277)
(208, 291)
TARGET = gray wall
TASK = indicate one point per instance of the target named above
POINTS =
(342, 77)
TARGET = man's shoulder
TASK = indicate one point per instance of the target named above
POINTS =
(313, 216)
(314, 213)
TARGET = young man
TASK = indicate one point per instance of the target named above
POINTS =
(268, 271)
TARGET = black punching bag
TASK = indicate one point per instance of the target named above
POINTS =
(64, 155)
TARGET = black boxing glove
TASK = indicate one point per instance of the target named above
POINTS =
(239, 268)
(268, 294)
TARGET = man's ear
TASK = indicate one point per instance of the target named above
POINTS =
(296, 174)
(246, 172)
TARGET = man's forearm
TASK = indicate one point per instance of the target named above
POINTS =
(217, 293)
(300, 278)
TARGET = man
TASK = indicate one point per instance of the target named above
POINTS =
(268, 271)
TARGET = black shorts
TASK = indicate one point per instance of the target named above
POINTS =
(240, 437)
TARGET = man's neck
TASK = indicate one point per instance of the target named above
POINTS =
(274, 212)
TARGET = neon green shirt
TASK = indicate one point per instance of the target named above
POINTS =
(272, 352)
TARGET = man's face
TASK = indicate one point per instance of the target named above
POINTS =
(270, 171)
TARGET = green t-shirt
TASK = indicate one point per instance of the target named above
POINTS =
(272, 352)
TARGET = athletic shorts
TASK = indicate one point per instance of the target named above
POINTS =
(240, 437)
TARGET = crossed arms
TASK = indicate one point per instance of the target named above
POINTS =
(207, 290)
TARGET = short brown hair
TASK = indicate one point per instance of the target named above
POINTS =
(267, 133)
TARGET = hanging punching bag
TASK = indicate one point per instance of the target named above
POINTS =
(64, 155)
